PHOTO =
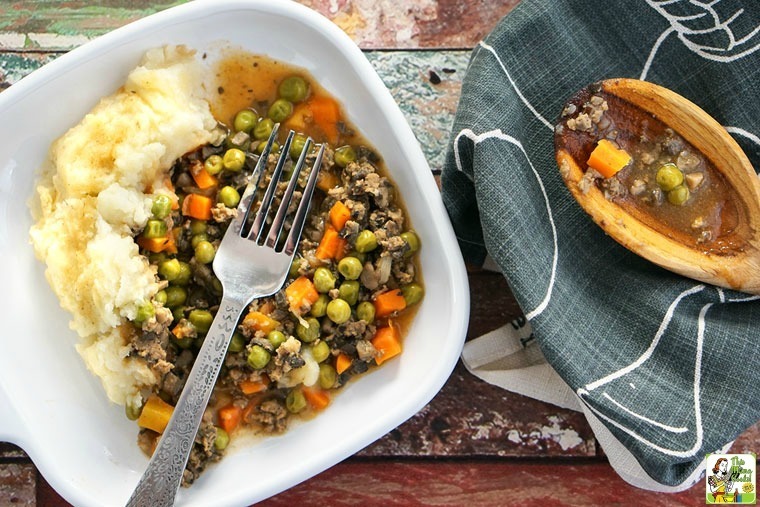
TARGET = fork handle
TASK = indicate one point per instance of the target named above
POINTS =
(158, 485)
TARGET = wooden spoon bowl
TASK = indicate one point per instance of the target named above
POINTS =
(734, 262)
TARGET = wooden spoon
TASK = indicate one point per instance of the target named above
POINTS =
(735, 263)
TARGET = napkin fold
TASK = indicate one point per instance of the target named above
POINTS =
(664, 367)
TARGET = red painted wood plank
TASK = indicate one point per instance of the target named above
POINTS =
(474, 484)
(471, 483)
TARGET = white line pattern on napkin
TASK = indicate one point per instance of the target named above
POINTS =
(525, 101)
(584, 393)
(696, 38)
(498, 134)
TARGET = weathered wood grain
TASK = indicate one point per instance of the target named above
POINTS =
(471, 418)
(18, 484)
(31, 25)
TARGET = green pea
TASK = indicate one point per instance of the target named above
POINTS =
(349, 292)
(320, 351)
(229, 196)
(213, 164)
(258, 357)
(169, 269)
(319, 308)
(344, 156)
(178, 313)
(145, 311)
(327, 376)
(280, 110)
(366, 241)
(350, 268)
(413, 293)
(198, 238)
(669, 176)
(157, 258)
(366, 311)
(185, 274)
(244, 120)
(295, 401)
(222, 439)
(201, 319)
(204, 252)
(276, 338)
(308, 334)
(293, 88)
(679, 195)
(175, 296)
(358, 255)
(263, 144)
(295, 266)
(411, 239)
(297, 146)
(263, 129)
(234, 159)
(338, 311)
(198, 226)
(162, 206)
(160, 297)
(237, 343)
(184, 343)
(324, 280)
(155, 229)
(133, 409)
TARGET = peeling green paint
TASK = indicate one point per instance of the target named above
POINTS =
(14, 66)
(75, 18)
(429, 108)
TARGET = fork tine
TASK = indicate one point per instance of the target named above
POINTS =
(246, 201)
(299, 219)
(266, 201)
(282, 211)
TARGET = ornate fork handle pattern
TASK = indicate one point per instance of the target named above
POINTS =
(158, 486)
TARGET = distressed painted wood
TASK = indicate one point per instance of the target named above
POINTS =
(31, 25)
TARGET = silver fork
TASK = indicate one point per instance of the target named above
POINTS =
(247, 270)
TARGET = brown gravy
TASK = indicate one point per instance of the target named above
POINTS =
(708, 220)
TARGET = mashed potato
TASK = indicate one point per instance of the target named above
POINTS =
(95, 193)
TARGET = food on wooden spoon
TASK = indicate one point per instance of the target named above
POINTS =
(664, 179)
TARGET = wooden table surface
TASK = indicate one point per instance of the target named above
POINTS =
(473, 444)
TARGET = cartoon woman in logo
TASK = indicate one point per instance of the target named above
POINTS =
(720, 483)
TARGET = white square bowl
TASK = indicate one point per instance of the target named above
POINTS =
(57, 411)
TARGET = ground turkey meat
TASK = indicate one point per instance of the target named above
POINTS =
(365, 350)
(271, 415)
(202, 453)
(287, 358)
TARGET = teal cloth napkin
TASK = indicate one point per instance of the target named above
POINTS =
(667, 364)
